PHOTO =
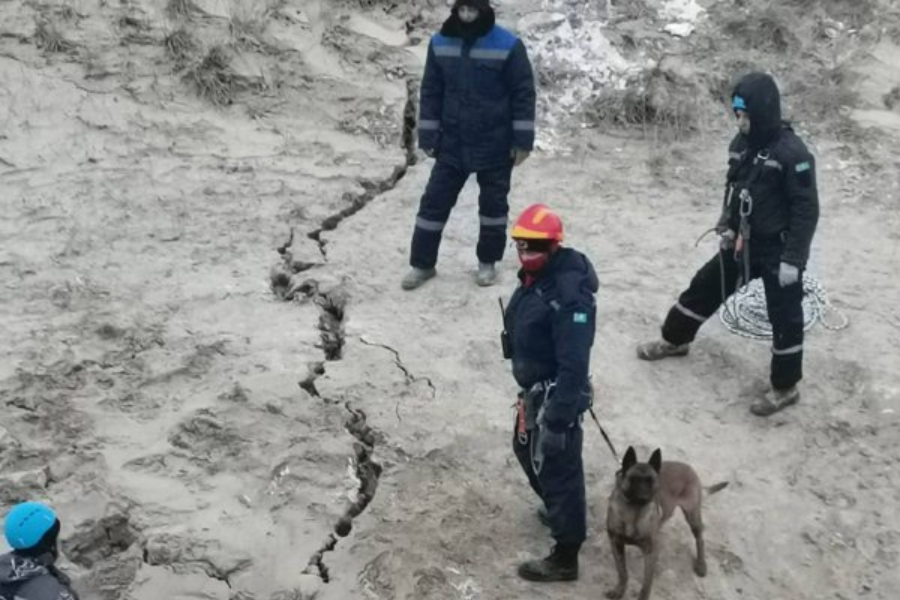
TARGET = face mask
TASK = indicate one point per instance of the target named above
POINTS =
(467, 14)
(743, 122)
(532, 262)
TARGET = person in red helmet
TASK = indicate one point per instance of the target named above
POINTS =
(549, 331)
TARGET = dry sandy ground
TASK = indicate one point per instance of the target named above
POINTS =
(202, 437)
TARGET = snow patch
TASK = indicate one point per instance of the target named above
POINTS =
(572, 59)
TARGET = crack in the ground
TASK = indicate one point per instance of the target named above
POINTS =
(317, 561)
(368, 471)
(308, 384)
(410, 378)
(374, 188)
(331, 322)
(332, 305)
(207, 567)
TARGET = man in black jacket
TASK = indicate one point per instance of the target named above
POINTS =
(29, 572)
(768, 220)
(476, 116)
(549, 331)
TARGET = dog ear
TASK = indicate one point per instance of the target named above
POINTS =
(630, 459)
(656, 460)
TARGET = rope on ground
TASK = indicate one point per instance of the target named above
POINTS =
(744, 313)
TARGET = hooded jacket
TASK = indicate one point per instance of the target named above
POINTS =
(27, 578)
(551, 327)
(774, 165)
(477, 95)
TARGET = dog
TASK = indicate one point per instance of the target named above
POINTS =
(644, 497)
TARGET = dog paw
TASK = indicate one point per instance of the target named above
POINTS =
(615, 594)
(700, 568)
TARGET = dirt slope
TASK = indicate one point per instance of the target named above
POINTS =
(205, 438)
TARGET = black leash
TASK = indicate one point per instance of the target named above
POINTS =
(605, 437)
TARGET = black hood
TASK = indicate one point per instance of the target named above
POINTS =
(763, 102)
(569, 261)
(453, 27)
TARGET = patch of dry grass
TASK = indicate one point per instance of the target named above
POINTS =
(852, 13)
(179, 8)
(652, 101)
(770, 28)
(631, 10)
(48, 37)
(181, 45)
(826, 92)
(249, 19)
(212, 77)
(812, 47)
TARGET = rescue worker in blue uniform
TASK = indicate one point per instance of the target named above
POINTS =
(476, 116)
(769, 217)
(29, 572)
(549, 331)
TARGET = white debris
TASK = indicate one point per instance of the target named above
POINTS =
(572, 59)
(685, 11)
(681, 30)
(683, 15)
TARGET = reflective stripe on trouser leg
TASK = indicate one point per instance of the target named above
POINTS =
(493, 209)
(441, 192)
(562, 481)
(700, 301)
(785, 308)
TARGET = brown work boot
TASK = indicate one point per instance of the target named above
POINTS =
(560, 565)
(774, 400)
(660, 349)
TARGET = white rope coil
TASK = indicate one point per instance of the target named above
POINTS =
(745, 314)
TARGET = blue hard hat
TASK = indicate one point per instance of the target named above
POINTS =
(26, 524)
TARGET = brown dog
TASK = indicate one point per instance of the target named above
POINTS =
(645, 496)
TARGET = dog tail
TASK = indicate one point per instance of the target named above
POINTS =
(716, 488)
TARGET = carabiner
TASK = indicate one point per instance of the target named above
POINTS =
(746, 207)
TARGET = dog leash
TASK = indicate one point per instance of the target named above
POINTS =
(605, 436)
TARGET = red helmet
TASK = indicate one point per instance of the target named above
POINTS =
(537, 222)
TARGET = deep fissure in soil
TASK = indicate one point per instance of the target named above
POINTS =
(332, 305)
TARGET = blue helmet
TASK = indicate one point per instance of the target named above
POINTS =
(27, 523)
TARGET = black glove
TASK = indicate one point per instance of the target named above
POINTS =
(551, 441)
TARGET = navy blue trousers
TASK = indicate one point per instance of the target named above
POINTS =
(441, 193)
(559, 483)
(784, 304)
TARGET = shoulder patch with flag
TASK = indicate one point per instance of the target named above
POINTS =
(579, 317)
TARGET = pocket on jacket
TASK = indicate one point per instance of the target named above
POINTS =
(489, 77)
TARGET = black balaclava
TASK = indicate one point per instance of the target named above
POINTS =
(762, 103)
(47, 545)
(453, 27)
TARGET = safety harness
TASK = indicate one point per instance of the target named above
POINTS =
(745, 314)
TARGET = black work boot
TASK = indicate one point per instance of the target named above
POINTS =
(561, 565)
